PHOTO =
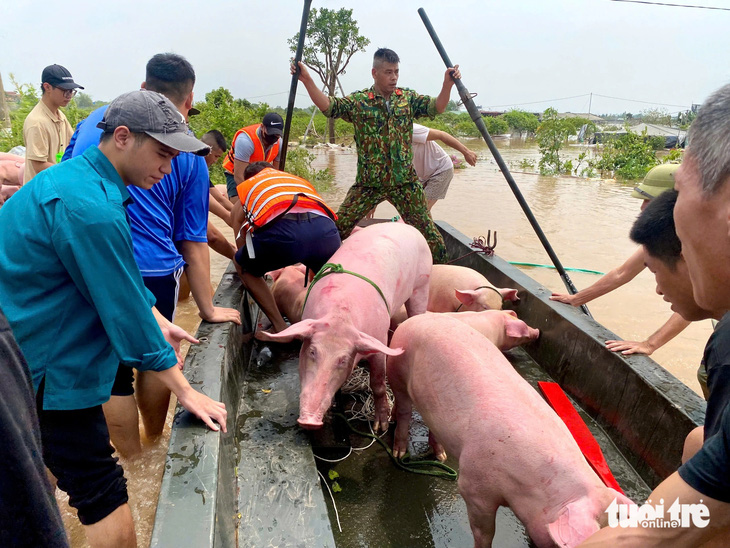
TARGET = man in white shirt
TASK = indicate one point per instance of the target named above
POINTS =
(433, 165)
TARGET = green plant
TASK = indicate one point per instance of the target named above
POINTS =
(333, 37)
(551, 136)
(675, 156)
(630, 156)
(28, 99)
(521, 122)
(299, 162)
(496, 126)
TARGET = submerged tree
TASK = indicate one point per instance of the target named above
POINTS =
(333, 37)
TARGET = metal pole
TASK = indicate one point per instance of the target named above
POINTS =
(294, 82)
(477, 119)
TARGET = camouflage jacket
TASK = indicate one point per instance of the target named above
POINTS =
(382, 135)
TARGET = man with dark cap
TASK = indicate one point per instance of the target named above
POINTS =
(254, 143)
(46, 130)
(74, 298)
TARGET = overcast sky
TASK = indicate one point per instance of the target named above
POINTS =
(511, 52)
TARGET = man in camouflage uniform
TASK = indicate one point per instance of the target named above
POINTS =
(383, 118)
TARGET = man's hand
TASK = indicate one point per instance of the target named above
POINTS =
(304, 75)
(452, 73)
(174, 335)
(471, 157)
(630, 347)
(564, 298)
(205, 408)
(220, 315)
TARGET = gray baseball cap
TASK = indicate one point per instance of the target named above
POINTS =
(152, 113)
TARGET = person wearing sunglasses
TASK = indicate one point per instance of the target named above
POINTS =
(46, 131)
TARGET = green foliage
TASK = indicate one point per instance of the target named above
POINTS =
(525, 164)
(551, 136)
(222, 112)
(333, 37)
(521, 122)
(299, 162)
(28, 99)
(83, 100)
(452, 106)
(675, 156)
(630, 156)
(495, 126)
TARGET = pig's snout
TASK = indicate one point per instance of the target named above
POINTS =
(310, 422)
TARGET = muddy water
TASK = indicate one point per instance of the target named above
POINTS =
(586, 221)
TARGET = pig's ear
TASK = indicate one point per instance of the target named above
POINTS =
(516, 328)
(275, 273)
(575, 523)
(300, 330)
(365, 344)
(509, 313)
(465, 297)
(508, 294)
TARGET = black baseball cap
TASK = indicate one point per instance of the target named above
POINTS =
(152, 113)
(59, 77)
(273, 123)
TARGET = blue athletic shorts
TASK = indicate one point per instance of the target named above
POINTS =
(304, 238)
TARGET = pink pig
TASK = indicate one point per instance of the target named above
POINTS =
(289, 291)
(11, 175)
(460, 288)
(499, 326)
(345, 315)
(513, 450)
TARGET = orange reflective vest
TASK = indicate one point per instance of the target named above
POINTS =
(271, 193)
(258, 148)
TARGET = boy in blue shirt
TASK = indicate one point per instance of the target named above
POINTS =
(75, 300)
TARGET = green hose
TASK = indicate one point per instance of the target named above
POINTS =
(551, 266)
(405, 463)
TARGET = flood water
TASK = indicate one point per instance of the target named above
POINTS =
(587, 222)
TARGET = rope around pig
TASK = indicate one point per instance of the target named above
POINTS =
(332, 268)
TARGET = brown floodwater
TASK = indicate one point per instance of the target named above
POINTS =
(587, 222)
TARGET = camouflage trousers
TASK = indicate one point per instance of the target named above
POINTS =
(408, 199)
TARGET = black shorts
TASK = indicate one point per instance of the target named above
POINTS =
(77, 451)
(165, 289)
(304, 238)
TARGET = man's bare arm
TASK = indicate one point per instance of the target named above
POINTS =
(671, 328)
(608, 282)
(442, 100)
(40, 166)
(438, 135)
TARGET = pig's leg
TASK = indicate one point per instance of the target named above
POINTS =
(480, 507)
(377, 385)
(402, 414)
(418, 300)
(437, 448)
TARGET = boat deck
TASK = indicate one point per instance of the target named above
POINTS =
(258, 486)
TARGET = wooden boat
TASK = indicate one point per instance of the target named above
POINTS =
(259, 486)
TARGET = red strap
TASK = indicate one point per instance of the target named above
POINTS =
(587, 443)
